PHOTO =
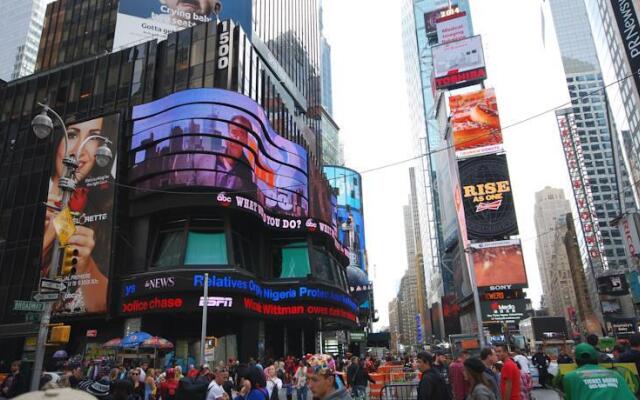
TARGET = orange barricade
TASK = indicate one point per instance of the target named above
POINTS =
(375, 389)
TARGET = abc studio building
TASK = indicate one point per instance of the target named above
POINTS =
(215, 170)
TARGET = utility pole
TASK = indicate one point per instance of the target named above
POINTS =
(205, 303)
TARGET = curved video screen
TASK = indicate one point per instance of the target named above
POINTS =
(217, 139)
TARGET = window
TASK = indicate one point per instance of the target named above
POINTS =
(206, 248)
(291, 261)
(190, 242)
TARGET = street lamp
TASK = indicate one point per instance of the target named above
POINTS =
(42, 126)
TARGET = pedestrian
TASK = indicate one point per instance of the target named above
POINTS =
(525, 383)
(489, 359)
(523, 361)
(358, 378)
(169, 387)
(274, 383)
(15, 383)
(215, 390)
(322, 379)
(602, 356)
(300, 380)
(138, 390)
(431, 386)
(593, 382)
(440, 365)
(618, 351)
(480, 384)
(633, 354)
(509, 376)
(541, 361)
(459, 386)
(252, 384)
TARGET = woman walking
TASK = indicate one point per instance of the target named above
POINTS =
(474, 373)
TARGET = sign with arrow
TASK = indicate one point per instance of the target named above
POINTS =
(26, 305)
(52, 285)
(46, 297)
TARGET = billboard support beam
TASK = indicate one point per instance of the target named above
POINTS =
(476, 295)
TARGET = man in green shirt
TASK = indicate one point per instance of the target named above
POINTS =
(592, 382)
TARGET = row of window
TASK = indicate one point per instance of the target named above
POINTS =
(205, 242)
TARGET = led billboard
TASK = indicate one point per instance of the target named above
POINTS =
(431, 18)
(499, 263)
(452, 27)
(92, 208)
(475, 123)
(218, 139)
(614, 285)
(458, 63)
(487, 199)
(510, 311)
(143, 20)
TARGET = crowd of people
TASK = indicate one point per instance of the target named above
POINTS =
(495, 373)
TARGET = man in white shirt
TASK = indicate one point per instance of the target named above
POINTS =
(215, 391)
(523, 361)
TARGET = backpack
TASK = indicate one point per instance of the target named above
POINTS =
(192, 389)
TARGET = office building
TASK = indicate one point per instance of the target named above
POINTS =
(394, 326)
(439, 237)
(21, 29)
(600, 182)
(166, 110)
(550, 207)
(614, 25)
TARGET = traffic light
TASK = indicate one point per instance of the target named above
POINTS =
(69, 261)
(60, 334)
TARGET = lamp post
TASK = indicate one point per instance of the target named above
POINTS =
(42, 126)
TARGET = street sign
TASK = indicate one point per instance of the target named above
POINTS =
(52, 285)
(46, 297)
(64, 226)
(26, 305)
(32, 317)
(92, 333)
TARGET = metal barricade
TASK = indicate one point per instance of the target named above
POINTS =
(399, 391)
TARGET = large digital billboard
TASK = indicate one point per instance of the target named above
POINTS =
(629, 27)
(218, 139)
(431, 18)
(475, 123)
(458, 63)
(510, 311)
(452, 27)
(92, 208)
(143, 20)
(487, 198)
(499, 263)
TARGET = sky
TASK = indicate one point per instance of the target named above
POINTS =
(371, 107)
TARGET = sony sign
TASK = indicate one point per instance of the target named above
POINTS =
(500, 287)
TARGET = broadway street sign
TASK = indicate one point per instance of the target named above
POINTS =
(26, 305)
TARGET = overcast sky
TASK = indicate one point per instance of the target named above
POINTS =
(371, 108)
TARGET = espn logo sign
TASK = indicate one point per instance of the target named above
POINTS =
(225, 302)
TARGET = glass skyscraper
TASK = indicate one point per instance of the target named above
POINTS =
(606, 180)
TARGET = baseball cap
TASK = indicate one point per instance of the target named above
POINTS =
(56, 394)
(585, 352)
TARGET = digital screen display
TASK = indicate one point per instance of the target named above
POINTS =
(502, 295)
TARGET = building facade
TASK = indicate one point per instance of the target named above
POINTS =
(394, 326)
(605, 190)
(550, 207)
(197, 186)
(21, 32)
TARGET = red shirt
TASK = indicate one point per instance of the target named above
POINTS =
(458, 383)
(510, 371)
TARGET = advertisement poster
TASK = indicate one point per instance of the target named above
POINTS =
(475, 123)
(431, 18)
(634, 285)
(219, 139)
(487, 198)
(503, 311)
(613, 285)
(452, 28)
(629, 28)
(92, 208)
(499, 263)
(143, 20)
(458, 63)
(611, 306)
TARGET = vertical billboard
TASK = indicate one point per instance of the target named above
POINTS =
(452, 28)
(143, 20)
(92, 208)
(475, 123)
(458, 63)
(487, 199)
(629, 27)
(431, 19)
(499, 263)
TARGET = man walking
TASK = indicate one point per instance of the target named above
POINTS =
(440, 365)
(489, 359)
(541, 361)
(510, 375)
(459, 385)
(592, 382)
(633, 354)
(431, 386)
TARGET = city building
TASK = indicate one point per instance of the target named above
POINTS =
(550, 206)
(439, 237)
(258, 216)
(613, 26)
(394, 326)
(600, 182)
(21, 31)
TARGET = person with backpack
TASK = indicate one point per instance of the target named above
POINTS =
(358, 378)
(169, 387)
(193, 388)
(431, 386)
(300, 380)
(323, 380)
(216, 391)
(274, 383)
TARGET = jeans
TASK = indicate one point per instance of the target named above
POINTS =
(359, 392)
(301, 393)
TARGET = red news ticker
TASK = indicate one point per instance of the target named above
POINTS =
(272, 309)
(153, 304)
